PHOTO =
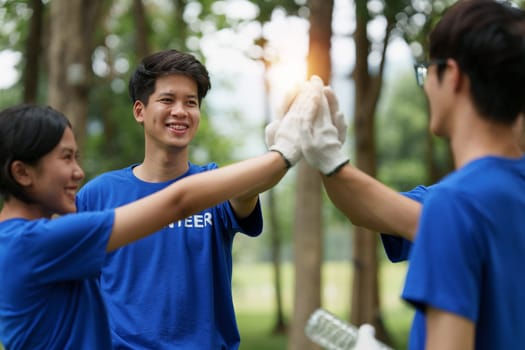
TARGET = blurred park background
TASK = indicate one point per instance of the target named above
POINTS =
(76, 55)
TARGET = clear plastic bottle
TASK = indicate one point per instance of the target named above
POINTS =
(332, 333)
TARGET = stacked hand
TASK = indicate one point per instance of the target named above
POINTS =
(283, 134)
(312, 126)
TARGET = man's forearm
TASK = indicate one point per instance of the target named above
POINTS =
(371, 204)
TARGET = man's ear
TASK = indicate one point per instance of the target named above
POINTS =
(457, 75)
(138, 111)
(20, 173)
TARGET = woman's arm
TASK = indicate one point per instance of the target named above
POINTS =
(193, 194)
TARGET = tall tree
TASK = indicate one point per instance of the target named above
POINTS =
(179, 25)
(308, 242)
(73, 24)
(266, 9)
(142, 46)
(33, 48)
(280, 325)
(365, 306)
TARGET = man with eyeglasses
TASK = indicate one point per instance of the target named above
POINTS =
(469, 234)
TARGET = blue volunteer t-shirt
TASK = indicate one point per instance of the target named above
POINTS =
(471, 240)
(170, 290)
(397, 248)
(49, 297)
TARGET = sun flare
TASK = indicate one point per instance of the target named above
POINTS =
(286, 76)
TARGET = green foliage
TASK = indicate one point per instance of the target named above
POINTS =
(10, 96)
(403, 136)
(416, 21)
(14, 16)
(402, 125)
(267, 8)
(113, 138)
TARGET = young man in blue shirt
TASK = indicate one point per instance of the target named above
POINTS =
(172, 290)
(469, 234)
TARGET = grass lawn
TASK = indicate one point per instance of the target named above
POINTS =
(253, 295)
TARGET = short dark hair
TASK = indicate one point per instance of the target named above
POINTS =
(162, 63)
(487, 39)
(27, 133)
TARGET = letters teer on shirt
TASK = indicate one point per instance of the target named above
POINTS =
(197, 221)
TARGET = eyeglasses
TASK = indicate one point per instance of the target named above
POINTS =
(422, 69)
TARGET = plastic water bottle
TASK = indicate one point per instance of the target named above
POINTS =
(332, 333)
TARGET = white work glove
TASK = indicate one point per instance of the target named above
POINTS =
(366, 339)
(271, 128)
(322, 137)
(283, 135)
(337, 117)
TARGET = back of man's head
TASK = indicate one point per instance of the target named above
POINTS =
(487, 40)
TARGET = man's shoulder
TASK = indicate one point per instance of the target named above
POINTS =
(112, 174)
(196, 168)
(105, 180)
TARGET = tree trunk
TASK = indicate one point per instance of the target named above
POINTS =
(308, 244)
(73, 24)
(307, 254)
(141, 29)
(365, 288)
(179, 26)
(280, 326)
(32, 52)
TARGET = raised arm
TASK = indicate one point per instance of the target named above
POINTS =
(369, 203)
(364, 200)
(193, 194)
